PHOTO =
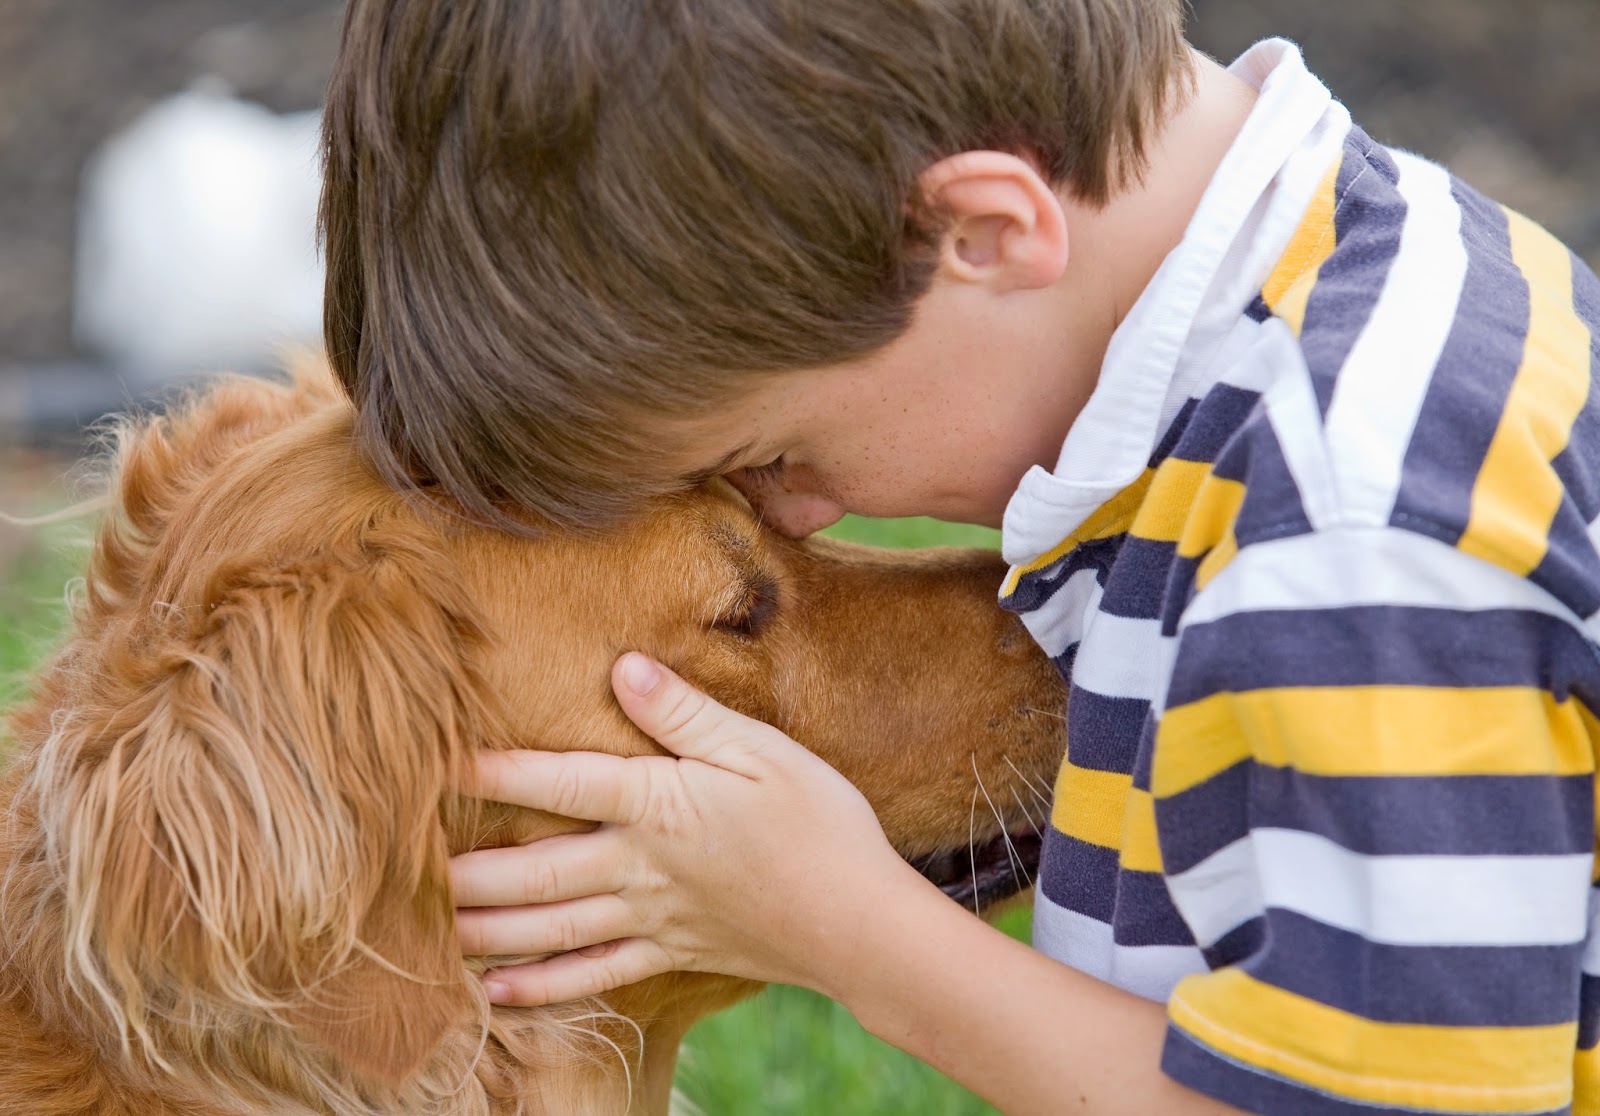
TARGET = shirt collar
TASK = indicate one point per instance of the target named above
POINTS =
(1113, 438)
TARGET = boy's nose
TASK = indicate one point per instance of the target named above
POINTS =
(785, 506)
(799, 516)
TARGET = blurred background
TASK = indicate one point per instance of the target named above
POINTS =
(156, 186)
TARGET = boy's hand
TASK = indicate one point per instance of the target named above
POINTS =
(747, 855)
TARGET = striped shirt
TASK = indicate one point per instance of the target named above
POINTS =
(1319, 562)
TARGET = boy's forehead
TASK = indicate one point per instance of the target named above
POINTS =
(747, 428)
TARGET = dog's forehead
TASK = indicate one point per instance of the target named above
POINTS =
(712, 518)
(719, 488)
(718, 525)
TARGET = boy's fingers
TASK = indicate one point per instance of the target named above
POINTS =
(546, 928)
(588, 785)
(568, 866)
(679, 717)
(572, 976)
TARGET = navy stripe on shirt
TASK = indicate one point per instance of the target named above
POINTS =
(1367, 226)
(1383, 645)
(1448, 986)
(1473, 375)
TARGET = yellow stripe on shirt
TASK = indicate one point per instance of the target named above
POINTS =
(1586, 1082)
(1465, 1069)
(1375, 730)
(1210, 522)
(1089, 804)
(1209, 529)
(1288, 288)
(1216, 559)
(1172, 494)
(1111, 518)
(1102, 808)
(1141, 850)
(1517, 492)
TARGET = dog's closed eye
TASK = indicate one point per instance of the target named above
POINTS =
(752, 612)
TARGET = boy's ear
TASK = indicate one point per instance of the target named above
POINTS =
(263, 836)
(1000, 222)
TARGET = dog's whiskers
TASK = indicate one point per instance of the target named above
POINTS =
(1022, 805)
(1011, 849)
(1044, 799)
(972, 850)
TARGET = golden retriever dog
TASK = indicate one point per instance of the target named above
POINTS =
(231, 794)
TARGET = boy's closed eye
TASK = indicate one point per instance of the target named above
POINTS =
(770, 472)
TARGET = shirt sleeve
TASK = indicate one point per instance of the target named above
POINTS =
(1374, 788)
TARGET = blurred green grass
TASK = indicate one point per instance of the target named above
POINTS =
(787, 1052)
(35, 575)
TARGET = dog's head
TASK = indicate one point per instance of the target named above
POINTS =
(241, 768)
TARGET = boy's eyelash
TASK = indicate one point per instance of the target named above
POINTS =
(769, 471)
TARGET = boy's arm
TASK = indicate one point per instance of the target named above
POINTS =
(1026, 1032)
(751, 856)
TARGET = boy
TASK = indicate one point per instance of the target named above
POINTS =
(1292, 442)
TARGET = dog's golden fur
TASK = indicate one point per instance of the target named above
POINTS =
(229, 805)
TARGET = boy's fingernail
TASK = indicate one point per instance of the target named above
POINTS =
(639, 673)
(498, 991)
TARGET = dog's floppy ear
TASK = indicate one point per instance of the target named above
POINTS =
(157, 462)
(161, 459)
(260, 834)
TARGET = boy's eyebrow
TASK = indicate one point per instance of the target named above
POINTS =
(722, 464)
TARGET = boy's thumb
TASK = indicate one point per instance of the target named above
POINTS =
(679, 717)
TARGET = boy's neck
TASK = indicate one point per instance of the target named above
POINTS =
(1119, 248)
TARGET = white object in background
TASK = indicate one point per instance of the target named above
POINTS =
(196, 240)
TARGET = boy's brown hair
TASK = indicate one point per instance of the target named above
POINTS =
(554, 226)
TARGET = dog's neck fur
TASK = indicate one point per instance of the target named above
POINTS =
(63, 1056)
(528, 1067)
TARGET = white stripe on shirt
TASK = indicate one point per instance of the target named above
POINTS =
(1380, 389)
(1352, 566)
(1060, 624)
(1291, 407)
(1396, 900)
(1087, 945)
(1120, 658)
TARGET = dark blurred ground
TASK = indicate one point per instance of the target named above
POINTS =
(1507, 92)
(1504, 92)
